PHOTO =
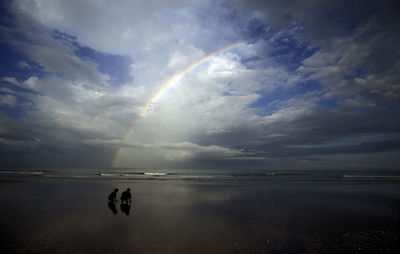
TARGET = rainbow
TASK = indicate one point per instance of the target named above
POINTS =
(171, 82)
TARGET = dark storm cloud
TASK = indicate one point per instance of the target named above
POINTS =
(315, 133)
(320, 19)
(29, 143)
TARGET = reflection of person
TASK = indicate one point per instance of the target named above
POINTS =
(111, 205)
(113, 196)
(125, 208)
(126, 196)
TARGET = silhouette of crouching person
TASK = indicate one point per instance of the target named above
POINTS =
(113, 196)
(126, 196)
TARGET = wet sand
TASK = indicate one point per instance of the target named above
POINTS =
(73, 216)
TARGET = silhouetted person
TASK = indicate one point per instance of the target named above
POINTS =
(125, 208)
(111, 205)
(126, 196)
(113, 196)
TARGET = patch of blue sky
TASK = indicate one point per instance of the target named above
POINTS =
(12, 87)
(67, 39)
(117, 67)
(18, 110)
(289, 52)
(14, 64)
(269, 102)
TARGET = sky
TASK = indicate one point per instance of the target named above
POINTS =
(246, 84)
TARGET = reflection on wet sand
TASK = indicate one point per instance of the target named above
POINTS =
(125, 208)
(111, 205)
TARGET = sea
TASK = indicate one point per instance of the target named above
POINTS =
(203, 174)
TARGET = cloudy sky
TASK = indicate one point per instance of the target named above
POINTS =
(305, 84)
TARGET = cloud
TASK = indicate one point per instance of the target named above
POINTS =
(315, 74)
(141, 26)
(23, 65)
(19, 145)
(172, 151)
(349, 68)
(8, 100)
(51, 54)
(187, 150)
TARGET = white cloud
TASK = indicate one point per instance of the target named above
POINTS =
(11, 80)
(139, 26)
(23, 65)
(353, 66)
(8, 100)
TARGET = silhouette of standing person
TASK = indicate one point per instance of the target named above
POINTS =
(126, 196)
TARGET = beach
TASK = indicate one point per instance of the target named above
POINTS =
(199, 216)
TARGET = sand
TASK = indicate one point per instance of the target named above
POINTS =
(73, 216)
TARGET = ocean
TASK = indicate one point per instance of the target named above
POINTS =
(203, 174)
